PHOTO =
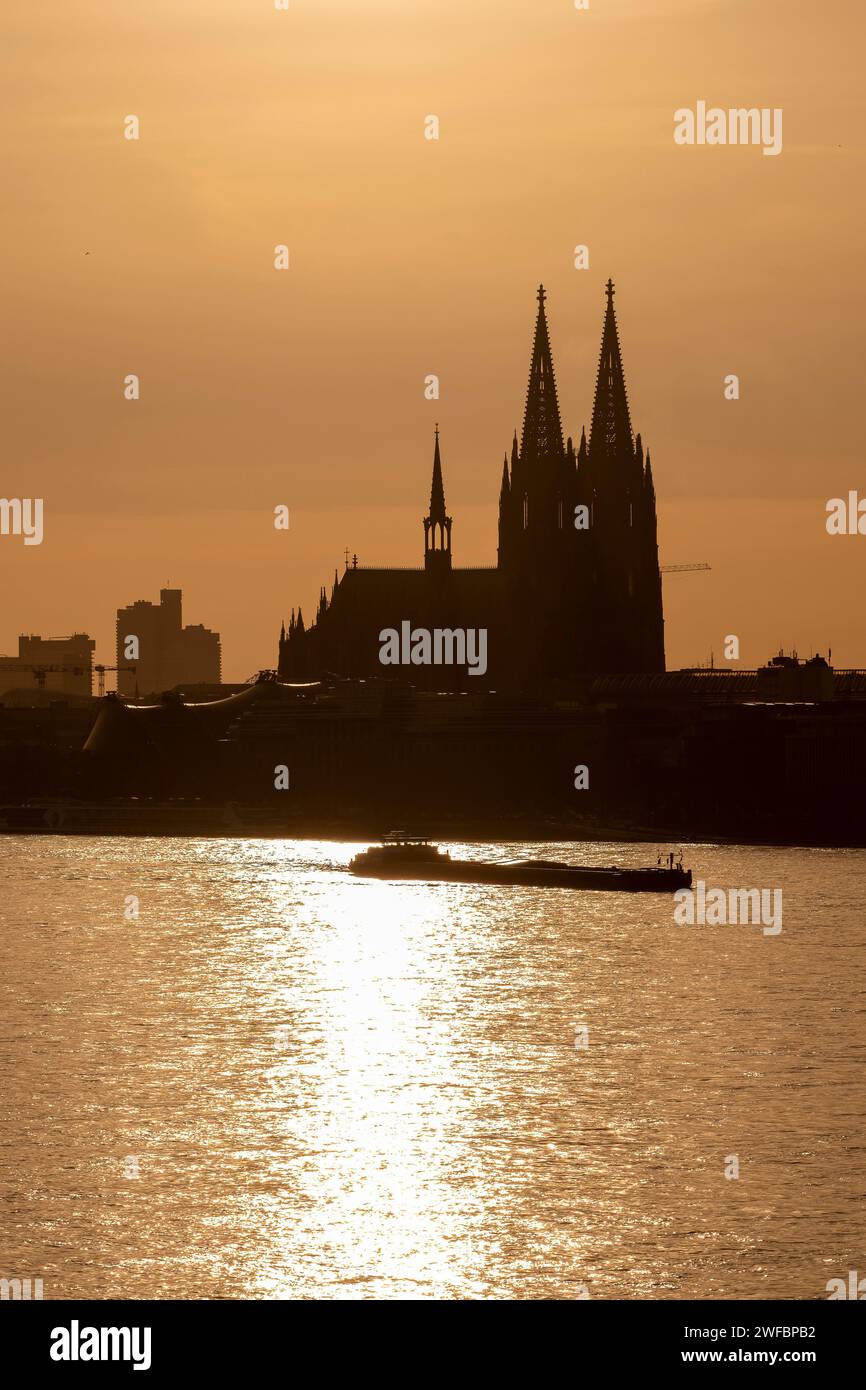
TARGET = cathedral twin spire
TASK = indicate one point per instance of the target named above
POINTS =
(610, 433)
(542, 427)
(547, 482)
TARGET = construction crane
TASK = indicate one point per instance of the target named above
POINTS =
(40, 672)
(681, 569)
(101, 670)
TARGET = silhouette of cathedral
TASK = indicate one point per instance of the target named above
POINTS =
(577, 587)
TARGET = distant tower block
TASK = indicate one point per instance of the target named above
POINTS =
(169, 653)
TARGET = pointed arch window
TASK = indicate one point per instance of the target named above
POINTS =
(525, 512)
(559, 512)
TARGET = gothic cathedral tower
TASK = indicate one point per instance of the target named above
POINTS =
(625, 594)
(577, 535)
(537, 550)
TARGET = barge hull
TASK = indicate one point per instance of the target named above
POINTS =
(535, 876)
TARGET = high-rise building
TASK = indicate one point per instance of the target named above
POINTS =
(152, 640)
(577, 586)
(63, 664)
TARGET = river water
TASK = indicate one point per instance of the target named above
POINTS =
(277, 1081)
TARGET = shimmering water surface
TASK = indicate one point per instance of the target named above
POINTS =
(332, 1088)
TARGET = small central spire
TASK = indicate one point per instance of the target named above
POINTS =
(609, 291)
(437, 524)
(437, 490)
(542, 294)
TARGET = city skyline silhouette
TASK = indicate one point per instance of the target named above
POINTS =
(410, 257)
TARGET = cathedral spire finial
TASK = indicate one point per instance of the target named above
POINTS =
(610, 433)
(542, 427)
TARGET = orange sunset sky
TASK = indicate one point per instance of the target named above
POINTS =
(411, 257)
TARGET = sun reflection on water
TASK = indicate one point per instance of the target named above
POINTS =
(376, 1124)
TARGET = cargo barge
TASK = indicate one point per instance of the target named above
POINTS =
(419, 860)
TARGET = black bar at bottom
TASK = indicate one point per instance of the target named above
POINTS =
(166, 1339)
